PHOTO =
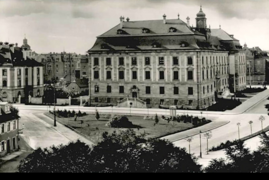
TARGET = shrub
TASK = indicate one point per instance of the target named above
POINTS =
(120, 122)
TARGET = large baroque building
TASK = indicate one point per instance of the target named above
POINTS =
(165, 62)
(20, 75)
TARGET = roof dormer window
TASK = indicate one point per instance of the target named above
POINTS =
(145, 30)
(156, 45)
(183, 44)
(119, 31)
(172, 29)
(103, 46)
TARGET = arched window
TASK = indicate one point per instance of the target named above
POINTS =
(172, 29)
(145, 30)
(3, 128)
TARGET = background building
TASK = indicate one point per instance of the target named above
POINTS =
(165, 62)
(256, 65)
(20, 75)
(9, 126)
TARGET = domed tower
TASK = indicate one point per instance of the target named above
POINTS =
(25, 45)
(200, 19)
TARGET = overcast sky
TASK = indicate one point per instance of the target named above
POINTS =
(72, 25)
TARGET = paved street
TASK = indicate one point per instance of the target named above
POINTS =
(39, 130)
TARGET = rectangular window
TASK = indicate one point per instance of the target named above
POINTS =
(147, 74)
(14, 124)
(108, 100)
(190, 61)
(190, 102)
(121, 90)
(161, 60)
(121, 61)
(96, 99)
(4, 72)
(8, 126)
(4, 83)
(162, 90)
(147, 89)
(121, 74)
(3, 146)
(175, 75)
(161, 74)
(108, 61)
(108, 74)
(96, 62)
(108, 89)
(26, 72)
(190, 91)
(161, 101)
(96, 88)
(190, 75)
(175, 60)
(175, 90)
(134, 74)
(134, 61)
(175, 102)
(96, 74)
(147, 60)
(19, 72)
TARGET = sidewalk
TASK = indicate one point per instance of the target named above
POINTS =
(249, 103)
(11, 156)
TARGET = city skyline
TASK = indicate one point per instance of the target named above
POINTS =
(72, 26)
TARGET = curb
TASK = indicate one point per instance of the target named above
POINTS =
(199, 133)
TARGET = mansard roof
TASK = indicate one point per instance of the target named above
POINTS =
(160, 37)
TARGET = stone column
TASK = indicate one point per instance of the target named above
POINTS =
(41, 75)
(19, 99)
(22, 77)
(16, 77)
(1, 77)
(80, 98)
(8, 77)
(35, 76)
(69, 98)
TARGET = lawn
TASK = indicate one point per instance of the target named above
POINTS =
(93, 129)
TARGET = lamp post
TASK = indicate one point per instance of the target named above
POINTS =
(54, 97)
(238, 124)
(250, 123)
(261, 118)
(208, 135)
(130, 107)
(200, 144)
(189, 139)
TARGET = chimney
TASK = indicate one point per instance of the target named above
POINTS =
(16, 45)
(1, 45)
(177, 16)
(121, 22)
(164, 19)
(219, 26)
(127, 19)
(188, 21)
(6, 43)
(231, 35)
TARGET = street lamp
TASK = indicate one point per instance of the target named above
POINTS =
(208, 135)
(130, 107)
(261, 118)
(238, 124)
(189, 139)
(200, 144)
(54, 97)
(250, 123)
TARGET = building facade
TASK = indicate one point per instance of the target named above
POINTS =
(165, 62)
(20, 76)
(9, 127)
(67, 66)
(256, 65)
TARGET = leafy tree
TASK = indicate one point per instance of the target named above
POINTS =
(97, 116)
(156, 119)
(117, 152)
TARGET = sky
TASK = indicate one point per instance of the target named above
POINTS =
(73, 25)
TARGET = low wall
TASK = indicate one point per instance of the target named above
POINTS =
(36, 100)
(62, 101)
